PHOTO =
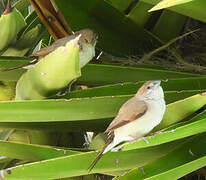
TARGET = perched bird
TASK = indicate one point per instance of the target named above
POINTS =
(87, 42)
(136, 118)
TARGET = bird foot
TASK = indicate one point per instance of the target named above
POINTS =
(118, 148)
(139, 138)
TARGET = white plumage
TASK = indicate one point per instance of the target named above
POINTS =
(136, 118)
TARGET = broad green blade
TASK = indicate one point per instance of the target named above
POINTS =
(91, 14)
(139, 14)
(174, 89)
(76, 165)
(185, 159)
(168, 31)
(181, 171)
(121, 5)
(96, 74)
(194, 8)
(11, 24)
(31, 152)
(168, 3)
(50, 75)
(26, 43)
(170, 96)
(7, 62)
(181, 109)
(83, 114)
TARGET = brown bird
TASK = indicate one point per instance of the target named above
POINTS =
(87, 42)
(136, 118)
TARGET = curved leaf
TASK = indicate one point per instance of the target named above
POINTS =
(91, 14)
(185, 8)
(98, 74)
(32, 152)
(185, 159)
(83, 114)
(50, 75)
(174, 89)
(168, 3)
(76, 165)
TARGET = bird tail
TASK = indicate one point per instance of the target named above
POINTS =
(99, 155)
(21, 66)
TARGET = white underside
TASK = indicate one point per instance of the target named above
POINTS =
(141, 126)
(86, 55)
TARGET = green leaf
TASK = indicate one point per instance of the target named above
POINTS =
(121, 5)
(174, 89)
(69, 114)
(32, 152)
(4, 134)
(22, 6)
(168, 31)
(76, 165)
(6, 62)
(168, 3)
(139, 14)
(170, 96)
(32, 136)
(179, 110)
(4, 162)
(91, 14)
(10, 23)
(32, 21)
(26, 43)
(6, 93)
(96, 74)
(50, 75)
(83, 114)
(182, 161)
(193, 8)
(182, 170)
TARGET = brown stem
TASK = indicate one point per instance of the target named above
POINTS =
(8, 9)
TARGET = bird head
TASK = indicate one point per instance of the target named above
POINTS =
(150, 90)
(88, 36)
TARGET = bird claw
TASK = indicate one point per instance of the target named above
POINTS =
(139, 138)
(118, 148)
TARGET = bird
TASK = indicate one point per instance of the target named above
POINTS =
(87, 43)
(136, 117)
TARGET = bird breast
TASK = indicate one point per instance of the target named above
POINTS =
(144, 124)
(86, 54)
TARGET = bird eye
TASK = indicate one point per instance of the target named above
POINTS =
(149, 87)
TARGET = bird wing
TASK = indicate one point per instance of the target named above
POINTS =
(130, 111)
(43, 52)
(22, 65)
(46, 50)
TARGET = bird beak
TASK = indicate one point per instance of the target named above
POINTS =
(156, 83)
